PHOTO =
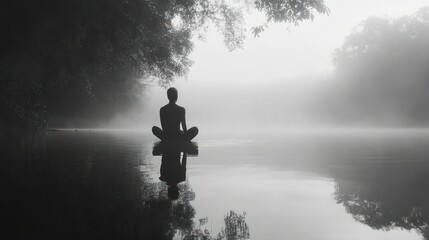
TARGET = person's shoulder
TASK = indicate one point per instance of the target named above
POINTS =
(163, 108)
(182, 109)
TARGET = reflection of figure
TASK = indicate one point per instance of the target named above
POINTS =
(173, 172)
(172, 116)
(173, 163)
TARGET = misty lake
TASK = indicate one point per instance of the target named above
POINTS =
(309, 184)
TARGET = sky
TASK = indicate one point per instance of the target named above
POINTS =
(288, 52)
(295, 59)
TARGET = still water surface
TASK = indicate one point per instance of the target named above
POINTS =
(325, 184)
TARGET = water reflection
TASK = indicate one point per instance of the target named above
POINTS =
(395, 196)
(173, 171)
(235, 229)
(173, 163)
(99, 185)
(82, 186)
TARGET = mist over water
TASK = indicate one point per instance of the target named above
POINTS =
(255, 105)
(319, 132)
(376, 76)
(272, 105)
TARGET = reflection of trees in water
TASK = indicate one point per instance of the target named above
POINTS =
(235, 226)
(386, 203)
(83, 186)
(89, 186)
(373, 210)
(235, 229)
(173, 171)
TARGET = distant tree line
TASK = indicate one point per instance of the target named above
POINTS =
(382, 72)
(88, 59)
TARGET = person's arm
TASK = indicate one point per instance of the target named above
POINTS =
(185, 129)
(161, 117)
(184, 159)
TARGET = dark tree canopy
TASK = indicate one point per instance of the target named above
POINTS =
(383, 70)
(80, 59)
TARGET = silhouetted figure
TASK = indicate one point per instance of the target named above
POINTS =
(172, 116)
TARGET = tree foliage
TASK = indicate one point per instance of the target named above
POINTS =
(383, 71)
(88, 59)
(288, 11)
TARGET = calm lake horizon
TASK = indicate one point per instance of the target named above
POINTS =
(300, 184)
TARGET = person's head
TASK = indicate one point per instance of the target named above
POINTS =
(172, 94)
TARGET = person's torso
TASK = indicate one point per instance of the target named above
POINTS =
(171, 117)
